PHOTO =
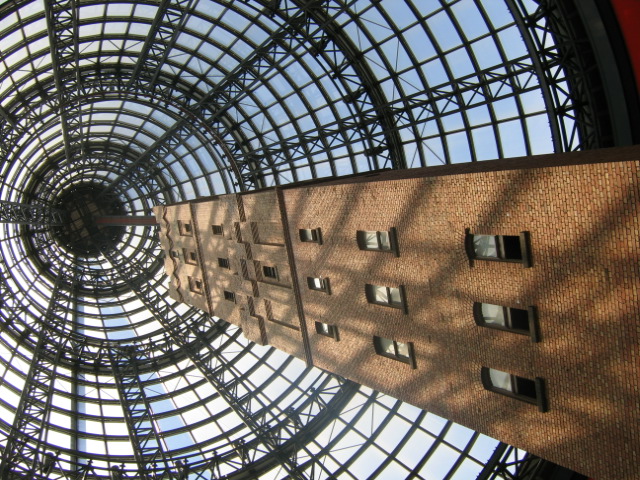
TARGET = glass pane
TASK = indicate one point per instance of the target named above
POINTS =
(324, 328)
(394, 293)
(380, 294)
(385, 243)
(306, 235)
(371, 240)
(493, 314)
(317, 283)
(386, 345)
(403, 349)
(500, 379)
(485, 246)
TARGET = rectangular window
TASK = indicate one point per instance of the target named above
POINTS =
(524, 389)
(185, 229)
(515, 320)
(270, 272)
(384, 241)
(223, 263)
(388, 296)
(327, 330)
(400, 351)
(230, 296)
(318, 283)
(503, 248)
(217, 229)
(310, 235)
(190, 256)
(175, 254)
(196, 285)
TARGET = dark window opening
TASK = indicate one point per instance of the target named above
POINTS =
(270, 272)
(185, 229)
(310, 235)
(190, 256)
(196, 285)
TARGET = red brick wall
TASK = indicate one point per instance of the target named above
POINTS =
(583, 224)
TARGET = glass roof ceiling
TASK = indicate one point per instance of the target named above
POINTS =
(154, 102)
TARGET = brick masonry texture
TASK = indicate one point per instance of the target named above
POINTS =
(582, 218)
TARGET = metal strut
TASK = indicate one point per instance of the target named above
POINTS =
(23, 452)
(277, 434)
(236, 85)
(143, 433)
(62, 26)
(26, 214)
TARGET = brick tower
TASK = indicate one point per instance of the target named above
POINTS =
(501, 295)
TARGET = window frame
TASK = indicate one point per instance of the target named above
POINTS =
(214, 229)
(190, 256)
(370, 295)
(196, 285)
(532, 331)
(229, 296)
(269, 268)
(326, 288)
(361, 240)
(185, 228)
(382, 351)
(331, 330)
(524, 241)
(315, 235)
(537, 383)
(224, 263)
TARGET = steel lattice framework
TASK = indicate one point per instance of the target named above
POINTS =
(110, 108)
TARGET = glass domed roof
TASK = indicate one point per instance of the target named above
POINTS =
(110, 108)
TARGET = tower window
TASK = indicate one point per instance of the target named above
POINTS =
(185, 229)
(217, 229)
(270, 272)
(515, 320)
(195, 285)
(524, 389)
(502, 248)
(388, 296)
(327, 330)
(230, 296)
(400, 351)
(312, 235)
(384, 241)
(190, 256)
(318, 283)
(223, 263)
